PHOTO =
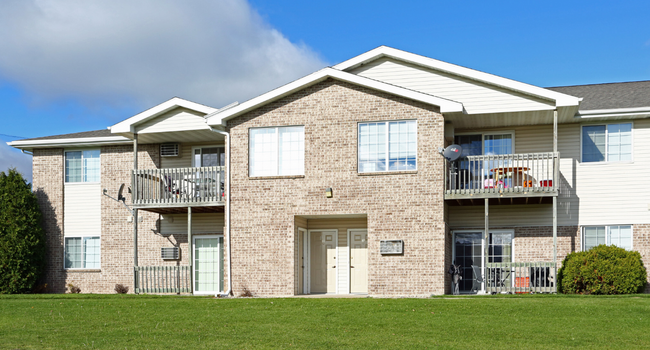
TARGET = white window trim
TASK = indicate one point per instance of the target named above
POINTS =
(204, 146)
(483, 133)
(82, 258)
(387, 146)
(81, 150)
(607, 161)
(607, 235)
(222, 267)
(277, 164)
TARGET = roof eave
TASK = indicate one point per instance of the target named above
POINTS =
(222, 116)
(71, 142)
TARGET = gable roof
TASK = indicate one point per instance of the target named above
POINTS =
(560, 99)
(128, 125)
(221, 116)
(635, 94)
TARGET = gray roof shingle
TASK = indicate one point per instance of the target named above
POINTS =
(76, 135)
(609, 96)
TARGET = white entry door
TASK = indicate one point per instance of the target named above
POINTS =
(358, 261)
(322, 256)
(208, 264)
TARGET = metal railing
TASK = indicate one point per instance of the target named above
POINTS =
(520, 277)
(173, 186)
(503, 173)
(163, 279)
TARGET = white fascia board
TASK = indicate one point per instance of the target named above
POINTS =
(636, 112)
(72, 142)
(128, 125)
(561, 100)
(220, 117)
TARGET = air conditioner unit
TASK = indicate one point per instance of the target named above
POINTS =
(391, 247)
(169, 150)
(169, 253)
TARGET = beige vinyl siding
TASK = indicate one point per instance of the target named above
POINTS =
(343, 250)
(617, 192)
(82, 209)
(476, 97)
(184, 158)
(178, 119)
(201, 223)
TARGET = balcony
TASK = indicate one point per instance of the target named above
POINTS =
(506, 176)
(178, 187)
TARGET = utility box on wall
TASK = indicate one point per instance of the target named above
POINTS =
(391, 247)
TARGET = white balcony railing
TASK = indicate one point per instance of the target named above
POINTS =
(514, 174)
(178, 186)
(162, 279)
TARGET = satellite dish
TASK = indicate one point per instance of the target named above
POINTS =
(119, 194)
(452, 152)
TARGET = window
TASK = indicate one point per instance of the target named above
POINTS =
(209, 156)
(82, 166)
(277, 151)
(620, 236)
(82, 253)
(387, 146)
(607, 143)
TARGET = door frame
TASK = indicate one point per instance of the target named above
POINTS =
(483, 243)
(303, 237)
(350, 230)
(336, 249)
(220, 272)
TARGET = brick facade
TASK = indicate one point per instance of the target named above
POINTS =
(406, 205)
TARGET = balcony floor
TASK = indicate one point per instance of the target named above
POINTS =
(499, 201)
(183, 210)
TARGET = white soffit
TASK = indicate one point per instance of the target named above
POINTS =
(71, 142)
(128, 125)
(221, 116)
(617, 113)
(561, 100)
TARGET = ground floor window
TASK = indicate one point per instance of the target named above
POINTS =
(620, 236)
(82, 253)
(469, 253)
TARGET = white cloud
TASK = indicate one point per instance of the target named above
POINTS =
(146, 51)
(13, 158)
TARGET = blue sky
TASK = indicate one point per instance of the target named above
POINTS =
(84, 65)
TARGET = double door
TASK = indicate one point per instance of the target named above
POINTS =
(469, 253)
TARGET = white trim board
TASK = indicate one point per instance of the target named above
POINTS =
(561, 100)
(220, 117)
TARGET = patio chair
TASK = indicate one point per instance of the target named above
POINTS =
(478, 278)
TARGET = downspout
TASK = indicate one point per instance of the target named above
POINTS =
(227, 211)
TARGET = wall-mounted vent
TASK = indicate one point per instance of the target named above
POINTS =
(170, 253)
(391, 247)
(169, 150)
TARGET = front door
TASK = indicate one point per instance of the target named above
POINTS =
(208, 264)
(359, 261)
(322, 269)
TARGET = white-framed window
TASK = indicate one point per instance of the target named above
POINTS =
(607, 143)
(82, 253)
(620, 236)
(387, 146)
(82, 166)
(277, 151)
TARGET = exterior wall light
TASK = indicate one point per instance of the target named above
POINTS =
(328, 192)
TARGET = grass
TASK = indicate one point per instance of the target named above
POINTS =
(156, 322)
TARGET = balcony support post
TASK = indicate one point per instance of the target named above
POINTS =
(486, 239)
(190, 246)
(556, 164)
(135, 216)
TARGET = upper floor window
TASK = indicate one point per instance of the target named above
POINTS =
(607, 143)
(387, 146)
(82, 166)
(277, 151)
(620, 236)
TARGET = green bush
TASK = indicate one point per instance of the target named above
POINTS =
(602, 270)
(22, 239)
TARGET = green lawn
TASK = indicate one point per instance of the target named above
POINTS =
(161, 322)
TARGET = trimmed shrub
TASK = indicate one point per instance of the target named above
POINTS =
(602, 270)
(22, 239)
